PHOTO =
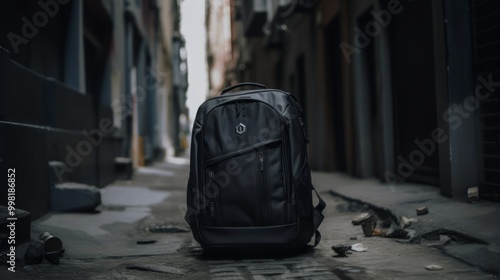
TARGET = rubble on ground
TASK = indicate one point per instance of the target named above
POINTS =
(422, 210)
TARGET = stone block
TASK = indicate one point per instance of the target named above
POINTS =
(70, 196)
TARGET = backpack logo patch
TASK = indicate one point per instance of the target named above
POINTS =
(241, 128)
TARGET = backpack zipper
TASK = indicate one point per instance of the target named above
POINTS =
(304, 130)
(251, 148)
(263, 189)
(300, 113)
(287, 171)
(240, 109)
(212, 200)
(261, 160)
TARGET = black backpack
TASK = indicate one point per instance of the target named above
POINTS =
(249, 188)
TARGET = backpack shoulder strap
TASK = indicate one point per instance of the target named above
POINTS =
(318, 217)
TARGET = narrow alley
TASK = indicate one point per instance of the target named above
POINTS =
(393, 106)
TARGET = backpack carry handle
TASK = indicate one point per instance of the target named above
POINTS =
(242, 85)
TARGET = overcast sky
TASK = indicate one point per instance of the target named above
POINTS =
(193, 29)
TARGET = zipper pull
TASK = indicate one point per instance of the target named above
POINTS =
(304, 131)
(297, 105)
(237, 107)
(261, 159)
(244, 109)
(212, 209)
(211, 174)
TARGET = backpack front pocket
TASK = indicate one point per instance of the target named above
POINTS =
(248, 189)
(247, 175)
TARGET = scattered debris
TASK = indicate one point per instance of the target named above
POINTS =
(389, 226)
(341, 249)
(385, 223)
(157, 268)
(379, 232)
(159, 228)
(51, 243)
(52, 247)
(353, 238)
(433, 267)
(359, 247)
(399, 232)
(361, 218)
(46, 246)
(396, 232)
(369, 225)
(142, 242)
(34, 253)
(443, 240)
(422, 210)
(473, 195)
(406, 222)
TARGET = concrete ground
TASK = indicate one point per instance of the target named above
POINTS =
(104, 245)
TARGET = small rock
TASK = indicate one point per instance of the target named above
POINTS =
(369, 225)
(473, 195)
(359, 247)
(433, 267)
(341, 249)
(361, 218)
(422, 210)
(353, 238)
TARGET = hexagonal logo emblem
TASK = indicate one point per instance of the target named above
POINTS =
(241, 128)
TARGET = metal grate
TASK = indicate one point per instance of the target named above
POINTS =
(485, 15)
